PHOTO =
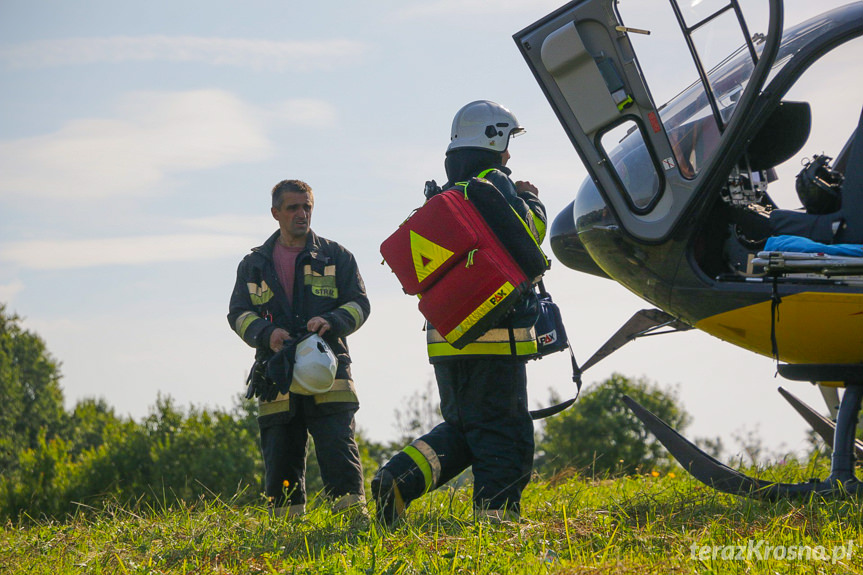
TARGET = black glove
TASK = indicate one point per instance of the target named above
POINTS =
(280, 367)
(431, 189)
(259, 385)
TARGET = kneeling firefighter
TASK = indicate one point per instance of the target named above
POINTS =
(483, 387)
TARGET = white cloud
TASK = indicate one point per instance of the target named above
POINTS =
(151, 135)
(459, 9)
(10, 290)
(255, 54)
(70, 254)
(251, 226)
(307, 112)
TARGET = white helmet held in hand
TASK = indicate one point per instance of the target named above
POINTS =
(314, 366)
(483, 124)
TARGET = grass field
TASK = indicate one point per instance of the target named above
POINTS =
(644, 524)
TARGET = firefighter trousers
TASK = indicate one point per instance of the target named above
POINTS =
(486, 425)
(283, 445)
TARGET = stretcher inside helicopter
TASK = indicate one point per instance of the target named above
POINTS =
(749, 235)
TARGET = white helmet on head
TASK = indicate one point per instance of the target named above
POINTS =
(483, 124)
(314, 366)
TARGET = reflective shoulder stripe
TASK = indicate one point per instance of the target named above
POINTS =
(244, 321)
(329, 271)
(537, 229)
(356, 312)
(540, 227)
(260, 294)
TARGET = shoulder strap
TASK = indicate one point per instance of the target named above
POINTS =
(576, 379)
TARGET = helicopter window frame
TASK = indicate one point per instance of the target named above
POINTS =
(612, 169)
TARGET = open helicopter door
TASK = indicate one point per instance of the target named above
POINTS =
(648, 161)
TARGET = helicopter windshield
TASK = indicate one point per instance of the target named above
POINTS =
(693, 130)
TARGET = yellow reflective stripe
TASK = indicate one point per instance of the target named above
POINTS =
(329, 281)
(260, 294)
(356, 312)
(244, 321)
(324, 291)
(343, 390)
(538, 233)
(322, 285)
(343, 385)
(422, 463)
(329, 271)
(281, 404)
(540, 227)
(481, 311)
(495, 335)
(493, 342)
(430, 455)
(522, 348)
(533, 234)
(337, 397)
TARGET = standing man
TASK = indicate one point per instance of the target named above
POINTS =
(298, 282)
(483, 387)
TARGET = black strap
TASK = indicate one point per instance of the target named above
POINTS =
(557, 408)
(576, 378)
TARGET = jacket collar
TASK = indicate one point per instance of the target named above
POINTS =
(313, 244)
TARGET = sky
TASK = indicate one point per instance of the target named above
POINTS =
(139, 142)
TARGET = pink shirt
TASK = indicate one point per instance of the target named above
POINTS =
(285, 260)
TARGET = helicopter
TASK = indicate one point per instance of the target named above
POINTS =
(676, 206)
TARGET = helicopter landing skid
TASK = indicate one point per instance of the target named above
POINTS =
(719, 476)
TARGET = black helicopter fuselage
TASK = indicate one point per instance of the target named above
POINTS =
(820, 319)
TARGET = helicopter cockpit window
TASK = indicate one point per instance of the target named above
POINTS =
(626, 149)
(714, 42)
(693, 129)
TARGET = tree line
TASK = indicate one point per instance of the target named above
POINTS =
(55, 462)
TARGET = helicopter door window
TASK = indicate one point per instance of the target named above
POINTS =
(695, 12)
(633, 164)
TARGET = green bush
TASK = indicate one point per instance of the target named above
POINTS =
(599, 435)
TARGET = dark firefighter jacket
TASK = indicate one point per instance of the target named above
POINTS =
(514, 335)
(327, 283)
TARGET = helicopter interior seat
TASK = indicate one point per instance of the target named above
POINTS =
(781, 137)
(843, 226)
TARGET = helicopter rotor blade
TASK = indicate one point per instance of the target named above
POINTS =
(825, 428)
(831, 398)
(642, 323)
